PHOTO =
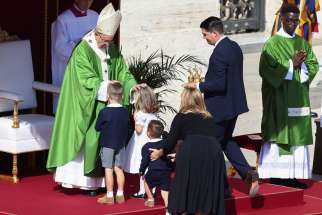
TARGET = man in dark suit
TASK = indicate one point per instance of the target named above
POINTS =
(224, 94)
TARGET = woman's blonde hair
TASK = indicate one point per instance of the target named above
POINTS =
(193, 101)
(147, 101)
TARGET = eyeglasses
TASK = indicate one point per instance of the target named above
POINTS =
(103, 38)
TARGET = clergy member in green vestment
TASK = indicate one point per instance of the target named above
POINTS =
(287, 67)
(95, 61)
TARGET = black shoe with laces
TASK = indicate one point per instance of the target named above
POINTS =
(138, 196)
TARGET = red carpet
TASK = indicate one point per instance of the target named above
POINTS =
(40, 195)
(312, 206)
(312, 203)
(269, 196)
(315, 189)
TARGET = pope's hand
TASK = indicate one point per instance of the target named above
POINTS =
(139, 86)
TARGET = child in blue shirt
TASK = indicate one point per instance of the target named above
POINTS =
(159, 170)
(113, 124)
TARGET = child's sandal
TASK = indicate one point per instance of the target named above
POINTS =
(149, 203)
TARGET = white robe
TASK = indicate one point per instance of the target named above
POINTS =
(66, 32)
(133, 156)
(273, 165)
(71, 175)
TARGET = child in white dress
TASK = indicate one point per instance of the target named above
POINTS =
(146, 107)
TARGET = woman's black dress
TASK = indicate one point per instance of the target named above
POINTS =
(199, 181)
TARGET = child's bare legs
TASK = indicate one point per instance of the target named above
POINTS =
(150, 201)
(109, 197)
(142, 186)
(120, 178)
(148, 191)
(109, 181)
(141, 192)
(165, 195)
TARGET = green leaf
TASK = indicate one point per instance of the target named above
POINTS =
(158, 69)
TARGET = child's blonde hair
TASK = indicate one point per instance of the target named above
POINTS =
(193, 101)
(146, 101)
(115, 91)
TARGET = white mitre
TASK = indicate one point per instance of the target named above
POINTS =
(108, 21)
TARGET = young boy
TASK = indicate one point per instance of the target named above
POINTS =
(113, 124)
(159, 170)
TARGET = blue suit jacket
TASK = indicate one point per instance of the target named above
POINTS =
(161, 164)
(113, 123)
(223, 88)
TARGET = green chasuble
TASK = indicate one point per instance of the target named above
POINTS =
(286, 105)
(78, 108)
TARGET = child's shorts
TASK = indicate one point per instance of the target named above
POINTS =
(111, 157)
(155, 178)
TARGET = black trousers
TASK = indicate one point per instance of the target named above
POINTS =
(224, 134)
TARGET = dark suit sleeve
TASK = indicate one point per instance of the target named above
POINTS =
(145, 159)
(217, 79)
(100, 121)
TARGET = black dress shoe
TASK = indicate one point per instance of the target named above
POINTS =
(296, 184)
(288, 183)
(277, 181)
(92, 192)
(138, 196)
(252, 179)
(314, 114)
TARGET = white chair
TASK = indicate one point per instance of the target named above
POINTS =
(27, 132)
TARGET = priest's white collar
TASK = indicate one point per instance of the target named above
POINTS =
(154, 140)
(283, 33)
(218, 41)
(114, 105)
(102, 53)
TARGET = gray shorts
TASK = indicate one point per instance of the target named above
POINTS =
(111, 157)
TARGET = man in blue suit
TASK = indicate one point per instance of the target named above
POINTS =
(225, 97)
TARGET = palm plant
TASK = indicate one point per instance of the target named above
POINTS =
(158, 69)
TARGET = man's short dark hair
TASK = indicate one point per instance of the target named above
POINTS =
(212, 24)
(289, 8)
(155, 128)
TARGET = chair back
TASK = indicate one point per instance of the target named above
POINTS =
(16, 73)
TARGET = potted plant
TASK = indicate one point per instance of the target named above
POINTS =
(158, 70)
